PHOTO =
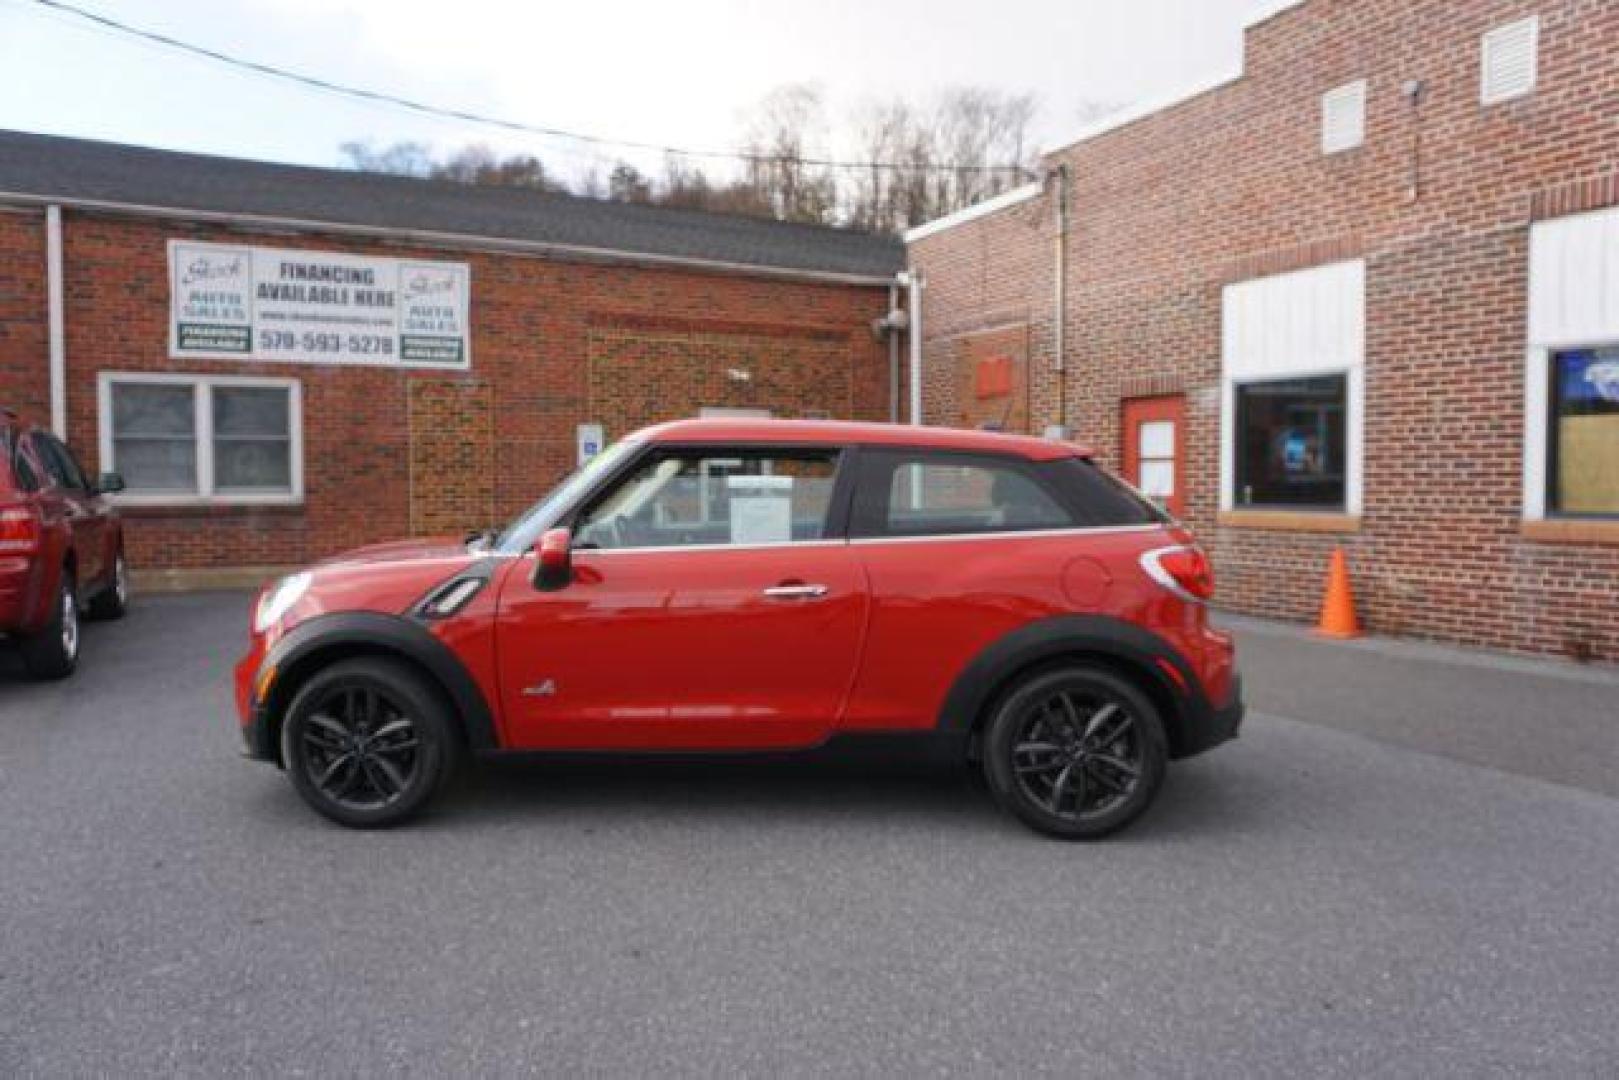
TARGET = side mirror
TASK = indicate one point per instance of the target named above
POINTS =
(110, 483)
(553, 560)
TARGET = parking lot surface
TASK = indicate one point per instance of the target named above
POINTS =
(1304, 901)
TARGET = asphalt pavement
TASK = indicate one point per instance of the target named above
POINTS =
(1310, 900)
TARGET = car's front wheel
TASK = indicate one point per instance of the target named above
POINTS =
(1076, 752)
(367, 742)
(53, 652)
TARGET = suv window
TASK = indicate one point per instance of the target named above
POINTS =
(23, 474)
(1100, 498)
(938, 493)
(684, 498)
(59, 463)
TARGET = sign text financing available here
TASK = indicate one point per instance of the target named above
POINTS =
(316, 307)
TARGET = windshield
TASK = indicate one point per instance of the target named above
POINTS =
(526, 528)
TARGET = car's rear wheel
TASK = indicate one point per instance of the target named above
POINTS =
(53, 652)
(1076, 752)
(367, 742)
(113, 601)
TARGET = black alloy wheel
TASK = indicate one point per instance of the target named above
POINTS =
(367, 742)
(53, 652)
(1076, 752)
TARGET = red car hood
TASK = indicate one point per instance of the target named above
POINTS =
(426, 548)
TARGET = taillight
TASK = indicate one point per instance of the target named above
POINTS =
(19, 530)
(1184, 571)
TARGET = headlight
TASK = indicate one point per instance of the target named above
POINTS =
(279, 600)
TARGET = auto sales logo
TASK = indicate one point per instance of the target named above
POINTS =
(214, 270)
(425, 284)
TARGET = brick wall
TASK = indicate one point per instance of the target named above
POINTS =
(1231, 185)
(24, 362)
(391, 452)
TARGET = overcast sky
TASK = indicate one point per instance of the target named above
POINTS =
(643, 70)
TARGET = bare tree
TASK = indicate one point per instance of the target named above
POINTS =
(969, 145)
(787, 131)
(626, 184)
(399, 159)
(918, 163)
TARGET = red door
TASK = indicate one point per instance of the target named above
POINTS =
(682, 649)
(1154, 449)
(708, 610)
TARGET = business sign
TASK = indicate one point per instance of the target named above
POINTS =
(316, 307)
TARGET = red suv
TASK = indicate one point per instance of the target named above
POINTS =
(759, 585)
(61, 546)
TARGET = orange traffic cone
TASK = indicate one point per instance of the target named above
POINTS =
(1338, 606)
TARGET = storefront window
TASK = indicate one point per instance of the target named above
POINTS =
(1290, 443)
(1585, 432)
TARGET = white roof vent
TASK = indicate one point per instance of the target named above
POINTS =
(1510, 61)
(1343, 117)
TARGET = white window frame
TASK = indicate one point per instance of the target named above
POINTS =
(1566, 255)
(202, 387)
(1351, 96)
(1493, 40)
(1340, 350)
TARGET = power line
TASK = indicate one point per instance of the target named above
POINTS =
(465, 116)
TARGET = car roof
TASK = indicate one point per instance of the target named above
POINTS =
(843, 433)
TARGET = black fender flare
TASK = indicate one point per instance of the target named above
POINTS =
(373, 632)
(1101, 636)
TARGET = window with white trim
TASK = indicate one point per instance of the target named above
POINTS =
(1510, 61)
(178, 438)
(1571, 399)
(1292, 417)
(1583, 468)
(1343, 117)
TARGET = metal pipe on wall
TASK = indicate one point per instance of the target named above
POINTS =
(914, 279)
(1059, 367)
(56, 320)
(893, 356)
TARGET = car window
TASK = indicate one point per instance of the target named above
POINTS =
(24, 473)
(1101, 498)
(57, 462)
(942, 494)
(735, 497)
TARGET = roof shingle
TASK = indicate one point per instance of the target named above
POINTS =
(51, 167)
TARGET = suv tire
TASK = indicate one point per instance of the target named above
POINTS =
(1076, 752)
(113, 601)
(367, 742)
(53, 652)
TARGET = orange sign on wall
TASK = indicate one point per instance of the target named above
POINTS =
(993, 377)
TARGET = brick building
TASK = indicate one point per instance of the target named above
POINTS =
(284, 362)
(1363, 293)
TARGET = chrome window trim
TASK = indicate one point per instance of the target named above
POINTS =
(934, 538)
(1010, 534)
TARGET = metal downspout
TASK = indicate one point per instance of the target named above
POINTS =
(56, 321)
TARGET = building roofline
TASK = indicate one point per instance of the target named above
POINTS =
(989, 206)
(446, 240)
(1141, 110)
(1124, 117)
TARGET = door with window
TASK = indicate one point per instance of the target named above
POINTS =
(714, 605)
(68, 495)
(1154, 449)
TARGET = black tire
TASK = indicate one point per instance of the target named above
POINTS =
(112, 602)
(1075, 752)
(53, 652)
(348, 709)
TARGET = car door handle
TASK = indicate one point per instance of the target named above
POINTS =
(796, 592)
